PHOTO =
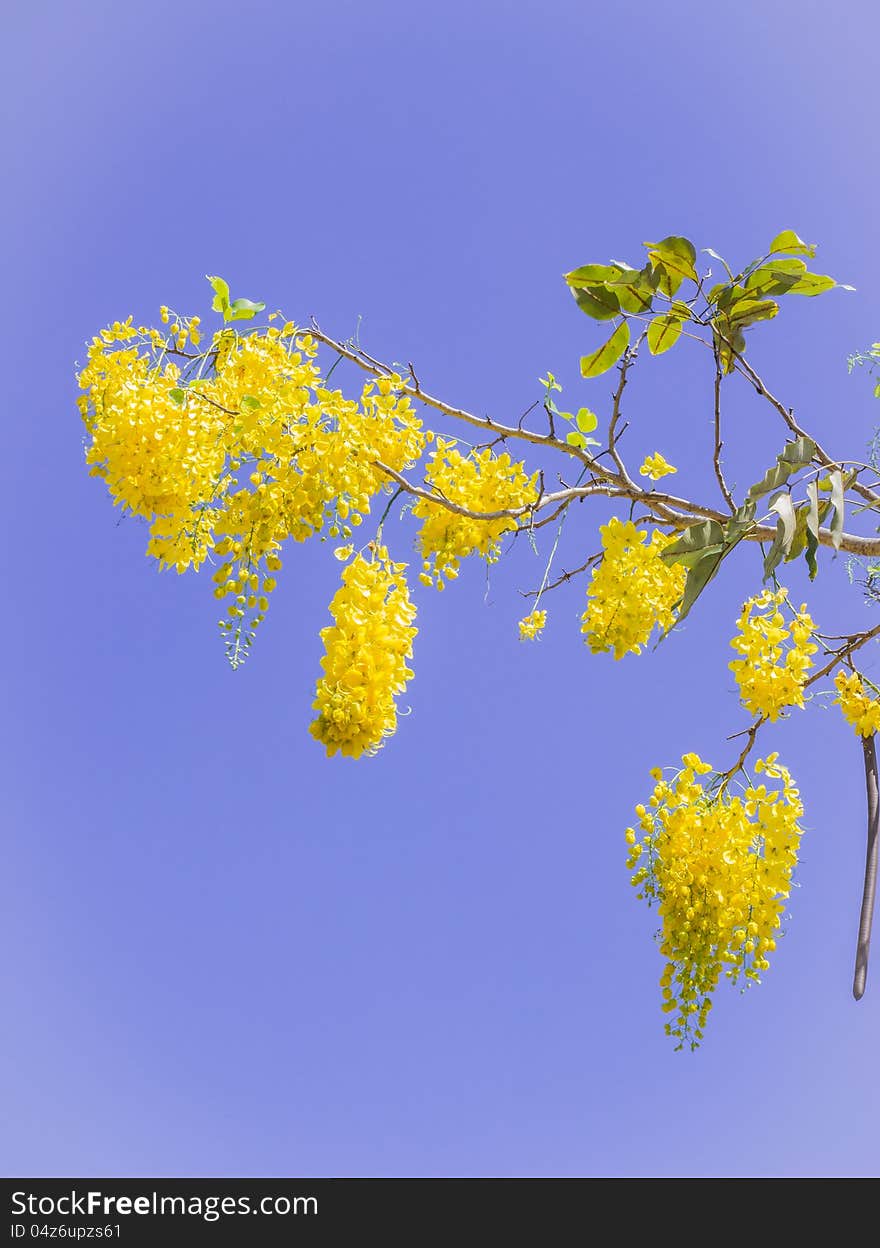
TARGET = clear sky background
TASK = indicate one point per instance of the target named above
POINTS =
(228, 955)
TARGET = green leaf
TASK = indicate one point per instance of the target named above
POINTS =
(177, 396)
(635, 289)
(586, 420)
(774, 555)
(791, 243)
(663, 333)
(593, 275)
(635, 298)
(598, 302)
(698, 577)
(698, 540)
(220, 302)
(677, 256)
(576, 439)
(776, 278)
(838, 503)
(244, 309)
(725, 294)
(794, 456)
(250, 401)
(746, 312)
(608, 354)
(701, 549)
(810, 555)
(812, 284)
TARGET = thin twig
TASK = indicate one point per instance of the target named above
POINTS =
(719, 473)
(613, 435)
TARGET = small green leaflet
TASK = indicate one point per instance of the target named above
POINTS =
(177, 396)
(244, 309)
(586, 420)
(577, 439)
(238, 309)
(221, 296)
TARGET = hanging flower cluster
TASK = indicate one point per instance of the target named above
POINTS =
(631, 591)
(366, 649)
(481, 482)
(234, 449)
(776, 656)
(532, 625)
(859, 708)
(719, 868)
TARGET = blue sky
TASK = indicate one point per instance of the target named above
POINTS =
(229, 955)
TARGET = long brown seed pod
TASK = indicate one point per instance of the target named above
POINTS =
(866, 915)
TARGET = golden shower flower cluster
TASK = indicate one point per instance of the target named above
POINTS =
(776, 655)
(631, 591)
(481, 482)
(532, 625)
(235, 448)
(859, 708)
(364, 664)
(719, 868)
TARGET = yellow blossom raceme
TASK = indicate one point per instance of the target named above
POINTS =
(631, 590)
(481, 482)
(532, 626)
(859, 708)
(776, 654)
(719, 867)
(366, 649)
(655, 467)
(236, 448)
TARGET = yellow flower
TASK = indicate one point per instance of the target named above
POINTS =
(631, 591)
(480, 481)
(776, 656)
(364, 664)
(532, 625)
(859, 708)
(170, 438)
(719, 868)
(655, 467)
